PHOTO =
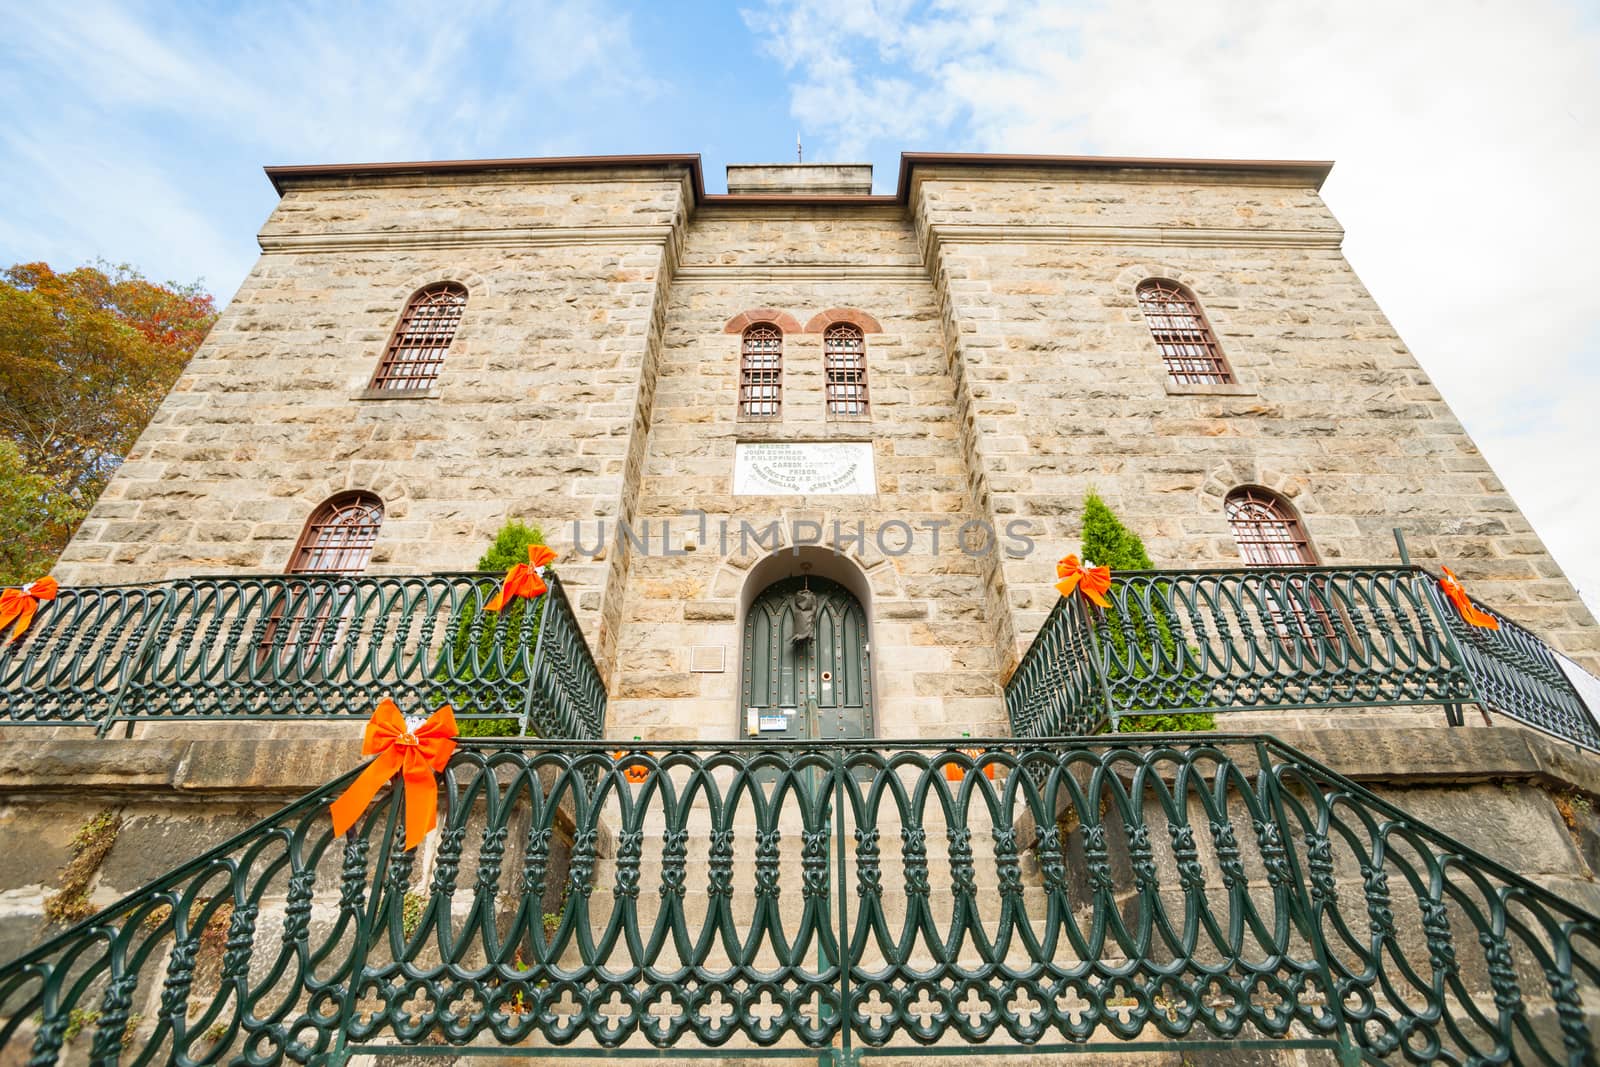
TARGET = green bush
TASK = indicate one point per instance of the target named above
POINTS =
(1108, 543)
(510, 547)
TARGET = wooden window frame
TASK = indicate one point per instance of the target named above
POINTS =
(306, 627)
(326, 516)
(845, 391)
(413, 358)
(1264, 551)
(1188, 345)
(761, 372)
(1301, 608)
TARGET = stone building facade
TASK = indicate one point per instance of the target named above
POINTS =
(595, 375)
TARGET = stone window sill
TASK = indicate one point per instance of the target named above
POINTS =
(810, 433)
(430, 393)
(1194, 389)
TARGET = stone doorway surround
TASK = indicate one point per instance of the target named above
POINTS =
(817, 561)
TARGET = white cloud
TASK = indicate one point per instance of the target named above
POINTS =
(1466, 145)
(115, 201)
(144, 121)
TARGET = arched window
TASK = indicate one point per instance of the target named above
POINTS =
(1267, 530)
(844, 360)
(1188, 347)
(338, 537)
(420, 341)
(761, 372)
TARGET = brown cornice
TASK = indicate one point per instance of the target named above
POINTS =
(471, 166)
(1314, 171)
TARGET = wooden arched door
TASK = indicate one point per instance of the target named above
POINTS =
(817, 687)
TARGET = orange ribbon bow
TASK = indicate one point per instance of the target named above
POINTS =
(1458, 596)
(20, 604)
(417, 756)
(1092, 582)
(523, 579)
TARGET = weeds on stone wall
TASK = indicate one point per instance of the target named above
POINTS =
(1577, 812)
(81, 1019)
(90, 846)
(411, 906)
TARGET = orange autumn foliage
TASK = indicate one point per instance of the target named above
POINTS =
(86, 355)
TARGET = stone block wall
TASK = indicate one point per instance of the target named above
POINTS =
(594, 377)
(532, 416)
(1036, 273)
(932, 646)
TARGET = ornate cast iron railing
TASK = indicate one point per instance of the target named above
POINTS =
(1298, 637)
(70, 665)
(1094, 892)
(303, 647)
(1519, 675)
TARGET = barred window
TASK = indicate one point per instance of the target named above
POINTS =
(1267, 530)
(761, 372)
(339, 536)
(844, 354)
(417, 349)
(1188, 347)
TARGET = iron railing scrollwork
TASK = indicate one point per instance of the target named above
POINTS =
(1282, 638)
(1137, 890)
(1518, 675)
(70, 666)
(303, 647)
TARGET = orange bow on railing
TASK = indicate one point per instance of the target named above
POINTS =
(1458, 596)
(20, 604)
(417, 756)
(1092, 582)
(523, 580)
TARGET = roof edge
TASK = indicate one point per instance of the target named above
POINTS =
(277, 174)
(1315, 169)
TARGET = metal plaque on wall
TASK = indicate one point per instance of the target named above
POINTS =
(804, 468)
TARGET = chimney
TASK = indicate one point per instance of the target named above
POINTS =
(813, 179)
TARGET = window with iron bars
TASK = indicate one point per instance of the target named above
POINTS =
(844, 355)
(1269, 534)
(337, 540)
(1267, 531)
(761, 372)
(417, 349)
(1188, 347)
(339, 536)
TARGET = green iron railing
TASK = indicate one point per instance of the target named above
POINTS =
(1282, 638)
(1153, 891)
(302, 647)
(1518, 675)
(70, 665)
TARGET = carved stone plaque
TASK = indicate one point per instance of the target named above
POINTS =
(804, 468)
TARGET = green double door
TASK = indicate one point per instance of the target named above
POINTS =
(819, 687)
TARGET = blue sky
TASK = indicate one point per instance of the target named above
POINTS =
(1467, 138)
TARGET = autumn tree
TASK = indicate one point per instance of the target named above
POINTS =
(85, 357)
(34, 521)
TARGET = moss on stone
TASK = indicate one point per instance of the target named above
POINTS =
(90, 846)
